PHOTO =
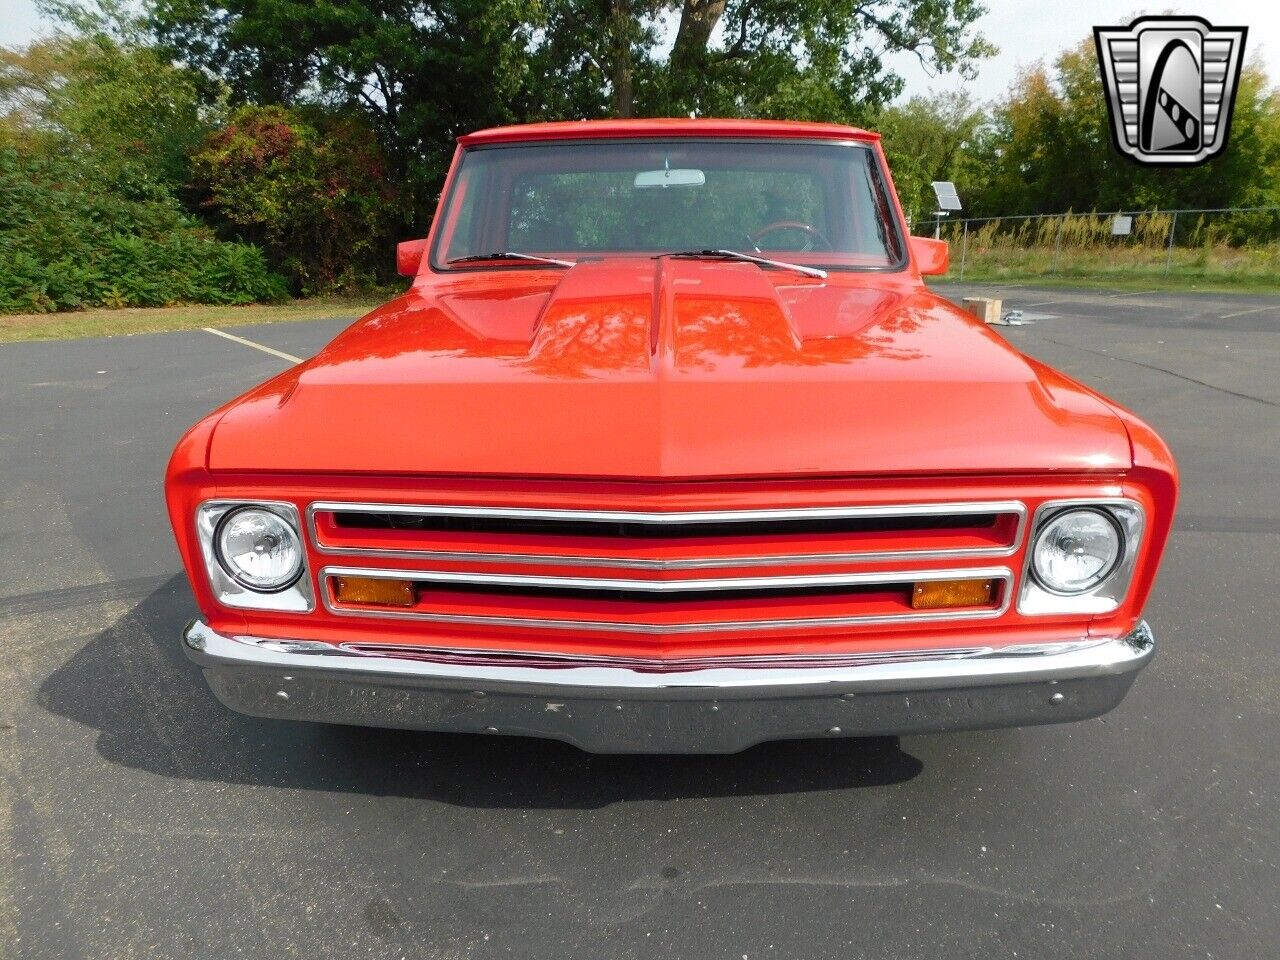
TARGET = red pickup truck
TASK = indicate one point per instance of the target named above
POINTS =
(668, 448)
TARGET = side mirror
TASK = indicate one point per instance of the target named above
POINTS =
(932, 257)
(409, 257)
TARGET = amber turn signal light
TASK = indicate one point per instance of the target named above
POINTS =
(936, 594)
(374, 591)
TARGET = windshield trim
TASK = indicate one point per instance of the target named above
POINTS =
(878, 168)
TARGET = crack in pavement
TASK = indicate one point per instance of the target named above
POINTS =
(1172, 373)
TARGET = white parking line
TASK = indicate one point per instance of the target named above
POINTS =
(1045, 303)
(1242, 313)
(256, 346)
(1135, 293)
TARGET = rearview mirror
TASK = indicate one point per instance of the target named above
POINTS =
(409, 257)
(648, 179)
(932, 257)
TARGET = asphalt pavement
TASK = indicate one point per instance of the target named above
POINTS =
(138, 818)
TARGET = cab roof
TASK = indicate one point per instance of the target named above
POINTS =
(665, 127)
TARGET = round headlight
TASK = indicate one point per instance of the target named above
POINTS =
(1076, 550)
(260, 549)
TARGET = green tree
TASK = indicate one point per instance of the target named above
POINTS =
(124, 109)
(808, 59)
(928, 139)
(1049, 149)
(797, 59)
(94, 133)
(421, 72)
(424, 71)
(310, 186)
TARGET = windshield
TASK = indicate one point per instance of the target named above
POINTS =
(819, 204)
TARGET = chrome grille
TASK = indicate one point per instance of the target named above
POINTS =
(620, 530)
(465, 563)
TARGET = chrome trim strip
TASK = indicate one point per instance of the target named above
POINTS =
(1103, 597)
(554, 659)
(666, 586)
(1016, 507)
(1003, 574)
(675, 517)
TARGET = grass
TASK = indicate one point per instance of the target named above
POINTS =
(1154, 281)
(114, 323)
(1098, 263)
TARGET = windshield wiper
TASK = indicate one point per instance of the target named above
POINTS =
(748, 258)
(507, 255)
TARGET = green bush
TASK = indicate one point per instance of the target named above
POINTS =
(70, 239)
(311, 186)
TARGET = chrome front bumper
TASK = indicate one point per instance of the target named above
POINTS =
(719, 709)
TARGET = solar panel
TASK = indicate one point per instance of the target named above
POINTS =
(945, 191)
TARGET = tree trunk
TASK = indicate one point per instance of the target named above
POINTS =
(697, 21)
(620, 28)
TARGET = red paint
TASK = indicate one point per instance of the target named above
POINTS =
(633, 383)
(754, 374)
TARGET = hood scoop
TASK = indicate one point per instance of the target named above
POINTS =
(597, 321)
(623, 316)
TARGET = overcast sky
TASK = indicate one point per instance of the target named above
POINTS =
(1031, 30)
(1025, 31)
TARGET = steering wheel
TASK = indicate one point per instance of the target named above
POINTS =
(813, 236)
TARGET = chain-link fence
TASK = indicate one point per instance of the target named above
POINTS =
(1240, 244)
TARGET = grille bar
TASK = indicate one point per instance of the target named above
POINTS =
(692, 563)
(641, 529)
(707, 584)
(666, 518)
(776, 585)
(614, 532)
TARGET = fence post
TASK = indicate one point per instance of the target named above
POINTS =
(964, 248)
(1173, 229)
(1057, 246)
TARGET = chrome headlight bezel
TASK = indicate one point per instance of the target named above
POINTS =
(297, 596)
(1109, 592)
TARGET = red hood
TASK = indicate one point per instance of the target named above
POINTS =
(669, 369)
